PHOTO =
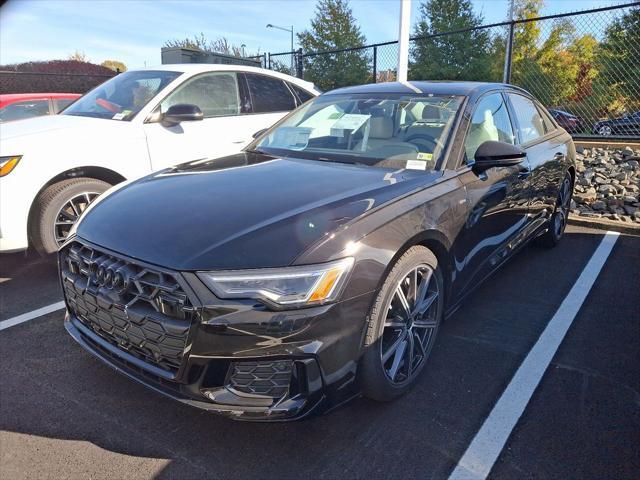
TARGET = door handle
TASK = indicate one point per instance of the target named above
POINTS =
(238, 141)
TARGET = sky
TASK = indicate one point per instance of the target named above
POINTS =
(133, 31)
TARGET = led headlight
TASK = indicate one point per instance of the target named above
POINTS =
(7, 164)
(282, 287)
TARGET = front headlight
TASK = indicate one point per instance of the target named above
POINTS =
(7, 164)
(283, 287)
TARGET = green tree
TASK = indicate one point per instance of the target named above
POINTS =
(114, 65)
(618, 62)
(457, 56)
(334, 28)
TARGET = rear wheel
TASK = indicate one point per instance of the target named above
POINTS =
(403, 324)
(605, 130)
(58, 208)
(558, 221)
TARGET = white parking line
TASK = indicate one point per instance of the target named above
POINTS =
(25, 317)
(477, 461)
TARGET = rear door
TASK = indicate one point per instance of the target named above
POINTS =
(271, 99)
(546, 151)
(498, 197)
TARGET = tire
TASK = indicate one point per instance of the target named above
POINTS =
(384, 379)
(49, 220)
(558, 221)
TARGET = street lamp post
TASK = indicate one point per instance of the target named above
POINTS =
(290, 30)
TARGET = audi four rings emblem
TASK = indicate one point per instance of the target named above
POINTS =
(109, 277)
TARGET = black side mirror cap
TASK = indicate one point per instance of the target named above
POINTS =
(182, 112)
(497, 154)
(259, 132)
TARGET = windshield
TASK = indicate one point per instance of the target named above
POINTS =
(121, 97)
(399, 131)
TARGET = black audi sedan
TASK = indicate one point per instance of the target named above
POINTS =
(320, 262)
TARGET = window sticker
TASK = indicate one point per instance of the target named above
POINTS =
(416, 165)
(295, 138)
(121, 115)
(425, 156)
(348, 122)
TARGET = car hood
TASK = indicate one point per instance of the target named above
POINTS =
(56, 125)
(243, 211)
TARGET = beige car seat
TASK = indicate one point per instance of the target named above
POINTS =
(480, 133)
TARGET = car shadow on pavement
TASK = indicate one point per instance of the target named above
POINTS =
(51, 388)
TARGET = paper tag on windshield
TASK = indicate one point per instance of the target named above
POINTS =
(425, 156)
(119, 116)
(416, 165)
(349, 121)
(295, 138)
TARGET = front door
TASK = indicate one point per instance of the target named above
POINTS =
(498, 198)
(224, 130)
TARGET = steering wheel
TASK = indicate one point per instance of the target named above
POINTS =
(107, 105)
(424, 143)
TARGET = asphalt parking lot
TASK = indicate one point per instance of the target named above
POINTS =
(65, 415)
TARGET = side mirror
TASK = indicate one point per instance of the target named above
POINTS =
(182, 112)
(259, 132)
(497, 154)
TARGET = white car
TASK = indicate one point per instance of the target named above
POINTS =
(52, 167)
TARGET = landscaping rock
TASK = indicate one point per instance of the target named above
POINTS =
(607, 184)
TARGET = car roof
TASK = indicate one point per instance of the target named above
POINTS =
(194, 68)
(426, 87)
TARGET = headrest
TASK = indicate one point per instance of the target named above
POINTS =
(430, 112)
(381, 127)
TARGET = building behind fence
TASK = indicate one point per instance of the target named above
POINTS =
(586, 63)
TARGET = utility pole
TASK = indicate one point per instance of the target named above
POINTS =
(508, 53)
(403, 40)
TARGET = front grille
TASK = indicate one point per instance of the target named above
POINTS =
(268, 378)
(140, 310)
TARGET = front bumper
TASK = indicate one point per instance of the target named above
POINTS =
(232, 357)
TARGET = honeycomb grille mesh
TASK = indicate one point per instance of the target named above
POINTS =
(271, 379)
(141, 311)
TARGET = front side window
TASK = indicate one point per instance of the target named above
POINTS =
(490, 121)
(393, 130)
(530, 123)
(269, 94)
(24, 109)
(123, 96)
(216, 94)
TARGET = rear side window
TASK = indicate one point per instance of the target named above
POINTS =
(302, 94)
(530, 123)
(490, 121)
(216, 94)
(549, 125)
(24, 109)
(269, 94)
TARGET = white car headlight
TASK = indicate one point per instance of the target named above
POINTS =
(283, 287)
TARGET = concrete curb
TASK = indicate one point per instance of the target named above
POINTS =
(605, 224)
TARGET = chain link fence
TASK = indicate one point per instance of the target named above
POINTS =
(584, 66)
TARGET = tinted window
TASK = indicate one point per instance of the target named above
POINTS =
(60, 104)
(303, 95)
(490, 121)
(269, 94)
(24, 109)
(530, 123)
(216, 94)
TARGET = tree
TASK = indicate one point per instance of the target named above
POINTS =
(456, 56)
(78, 56)
(115, 65)
(618, 61)
(201, 42)
(334, 28)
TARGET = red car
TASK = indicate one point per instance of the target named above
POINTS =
(16, 106)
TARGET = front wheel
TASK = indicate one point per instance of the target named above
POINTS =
(58, 208)
(605, 130)
(402, 326)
